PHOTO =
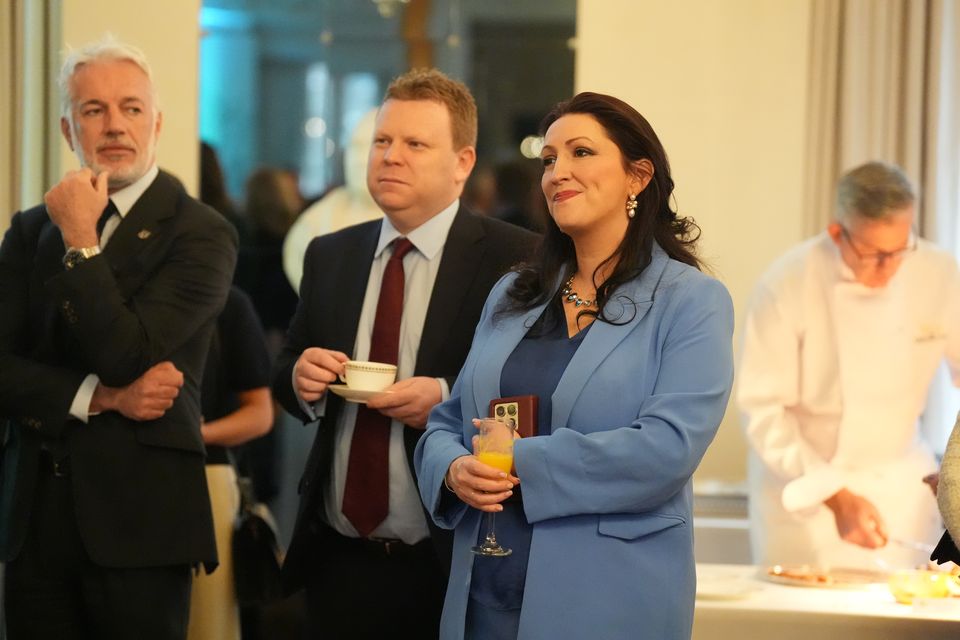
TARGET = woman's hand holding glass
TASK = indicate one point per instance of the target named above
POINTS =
(480, 485)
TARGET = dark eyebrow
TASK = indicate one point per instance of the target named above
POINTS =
(567, 143)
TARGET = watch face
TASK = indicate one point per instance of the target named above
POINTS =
(75, 256)
(72, 258)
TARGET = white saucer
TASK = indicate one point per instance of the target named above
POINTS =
(353, 395)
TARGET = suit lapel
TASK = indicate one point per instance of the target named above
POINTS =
(462, 257)
(143, 224)
(350, 287)
(631, 303)
(504, 339)
(346, 285)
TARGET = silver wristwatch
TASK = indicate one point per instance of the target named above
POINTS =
(75, 256)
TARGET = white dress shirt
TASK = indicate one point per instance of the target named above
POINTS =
(123, 200)
(405, 519)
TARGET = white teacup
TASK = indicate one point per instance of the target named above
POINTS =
(368, 376)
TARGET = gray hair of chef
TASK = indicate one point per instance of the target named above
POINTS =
(107, 48)
(873, 191)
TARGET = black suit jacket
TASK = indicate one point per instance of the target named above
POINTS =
(139, 487)
(478, 251)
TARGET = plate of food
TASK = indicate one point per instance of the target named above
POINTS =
(826, 578)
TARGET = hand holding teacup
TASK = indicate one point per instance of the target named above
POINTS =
(315, 370)
(363, 375)
(409, 400)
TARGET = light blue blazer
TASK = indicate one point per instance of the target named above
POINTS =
(608, 493)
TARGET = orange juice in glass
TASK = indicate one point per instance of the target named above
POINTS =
(502, 461)
(494, 447)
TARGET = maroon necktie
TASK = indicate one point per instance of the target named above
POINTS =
(366, 495)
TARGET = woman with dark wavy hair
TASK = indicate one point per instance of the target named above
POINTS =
(627, 346)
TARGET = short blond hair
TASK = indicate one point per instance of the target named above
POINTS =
(431, 84)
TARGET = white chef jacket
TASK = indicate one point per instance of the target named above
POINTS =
(833, 376)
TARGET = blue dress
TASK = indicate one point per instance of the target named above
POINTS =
(534, 368)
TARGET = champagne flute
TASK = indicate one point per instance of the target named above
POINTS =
(494, 446)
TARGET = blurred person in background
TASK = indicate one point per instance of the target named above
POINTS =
(213, 189)
(480, 192)
(946, 486)
(273, 203)
(518, 199)
(237, 407)
(841, 340)
(340, 207)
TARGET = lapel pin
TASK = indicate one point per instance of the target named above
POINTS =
(143, 234)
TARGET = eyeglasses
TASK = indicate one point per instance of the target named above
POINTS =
(877, 259)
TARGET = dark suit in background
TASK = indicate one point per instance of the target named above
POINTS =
(137, 490)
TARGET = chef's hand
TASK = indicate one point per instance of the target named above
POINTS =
(858, 521)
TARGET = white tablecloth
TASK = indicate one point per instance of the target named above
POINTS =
(734, 602)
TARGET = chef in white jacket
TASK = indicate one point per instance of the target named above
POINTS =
(843, 335)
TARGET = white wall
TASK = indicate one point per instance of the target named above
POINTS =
(724, 85)
(168, 32)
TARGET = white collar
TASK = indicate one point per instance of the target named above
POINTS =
(125, 198)
(428, 238)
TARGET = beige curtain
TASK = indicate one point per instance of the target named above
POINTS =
(940, 188)
(885, 85)
(29, 127)
(883, 77)
(8, 102)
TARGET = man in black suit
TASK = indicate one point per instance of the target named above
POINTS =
(366, 559)
(109, 294)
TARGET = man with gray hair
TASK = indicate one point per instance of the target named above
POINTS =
(109, 294)
(841, 341)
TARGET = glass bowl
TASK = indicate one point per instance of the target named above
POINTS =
(906, 586)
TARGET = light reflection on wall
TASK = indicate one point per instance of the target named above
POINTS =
(324, 145)
(313, 177)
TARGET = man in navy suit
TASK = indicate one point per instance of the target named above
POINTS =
(109, 294)
(370, 572)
